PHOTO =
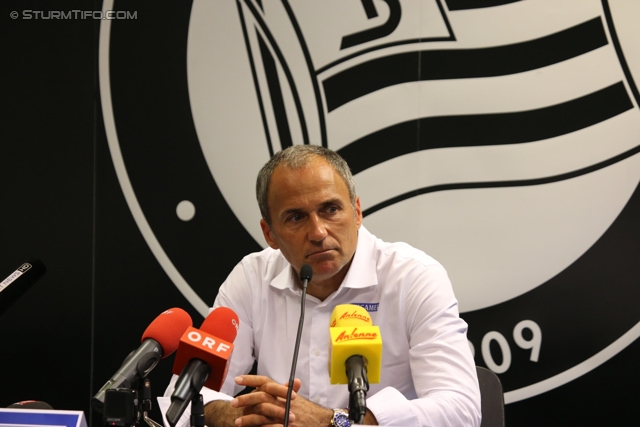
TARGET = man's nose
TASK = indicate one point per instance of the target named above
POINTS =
(317, 228)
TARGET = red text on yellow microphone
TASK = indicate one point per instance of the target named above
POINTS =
(357, 337)
(349, 315)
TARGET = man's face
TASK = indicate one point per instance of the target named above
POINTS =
(313, 221)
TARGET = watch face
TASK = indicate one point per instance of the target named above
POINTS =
(511, 156)
(340, 419)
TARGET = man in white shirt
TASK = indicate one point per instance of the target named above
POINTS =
(312, 215)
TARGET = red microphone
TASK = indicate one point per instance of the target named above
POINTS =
(159, 340)
(202, 359)
(167, 328)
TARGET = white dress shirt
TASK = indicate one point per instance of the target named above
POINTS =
(428, 375)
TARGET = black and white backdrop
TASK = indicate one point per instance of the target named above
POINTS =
(501, 137)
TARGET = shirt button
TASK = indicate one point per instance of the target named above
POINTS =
(315, 399)
(316, 352)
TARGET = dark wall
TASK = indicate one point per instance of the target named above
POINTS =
(47, 182)
(62, 203)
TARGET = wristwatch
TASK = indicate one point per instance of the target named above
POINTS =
(340, 418)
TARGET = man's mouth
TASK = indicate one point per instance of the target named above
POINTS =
(319, 253)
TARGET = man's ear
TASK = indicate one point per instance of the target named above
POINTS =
(268, 234)
(358, 212)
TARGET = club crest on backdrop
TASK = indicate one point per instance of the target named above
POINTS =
(508, 155)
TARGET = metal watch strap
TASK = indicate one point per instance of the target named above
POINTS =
(340, 418)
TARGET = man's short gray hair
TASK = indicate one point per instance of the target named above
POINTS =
(296, 157)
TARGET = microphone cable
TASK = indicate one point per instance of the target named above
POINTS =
(305, 276)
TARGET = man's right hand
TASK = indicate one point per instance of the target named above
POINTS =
(265, 405)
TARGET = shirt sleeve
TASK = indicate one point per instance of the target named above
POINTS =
(442, 367)
(235, 293)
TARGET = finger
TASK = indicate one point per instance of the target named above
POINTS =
(263, 414)
(252, 380)
(272, 395)
(297, 383)
(252, 399)
(264, 385)
(259, 421)
(254, 420)
(276, 390)
(275, 425)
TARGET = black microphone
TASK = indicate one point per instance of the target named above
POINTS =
(19, 281)
(160, 339)
(356, 368)
(305, 276)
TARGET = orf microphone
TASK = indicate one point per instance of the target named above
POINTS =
(356, 355)
(19, 281)
(159, 340)
(202, 359)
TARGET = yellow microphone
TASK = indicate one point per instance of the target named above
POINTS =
(349, 315)
(356, 355)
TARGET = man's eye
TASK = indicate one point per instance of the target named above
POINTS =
(294, 218)
(332, 209)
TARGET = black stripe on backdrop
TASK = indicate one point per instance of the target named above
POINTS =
(476, 4)
(390, 70)
(275, 94)
(503, 184)
(278, 57)
(486, 129)
(254, 78)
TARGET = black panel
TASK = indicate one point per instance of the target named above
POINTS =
(46, 188)
(161, 151)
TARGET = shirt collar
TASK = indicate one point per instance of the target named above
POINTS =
(286, 279)
(362, 272)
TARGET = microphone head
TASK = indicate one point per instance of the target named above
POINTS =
(349, 315)
(222, 322)
(352, 333)
(167, 329)
(211, 344)
(306, 273)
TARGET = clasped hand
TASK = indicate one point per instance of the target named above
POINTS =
(265, 405)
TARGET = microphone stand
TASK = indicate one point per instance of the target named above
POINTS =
(123, 409)
(120, 408)
(358, 388)
(305, 277)
(146, 404)
(197, 411)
